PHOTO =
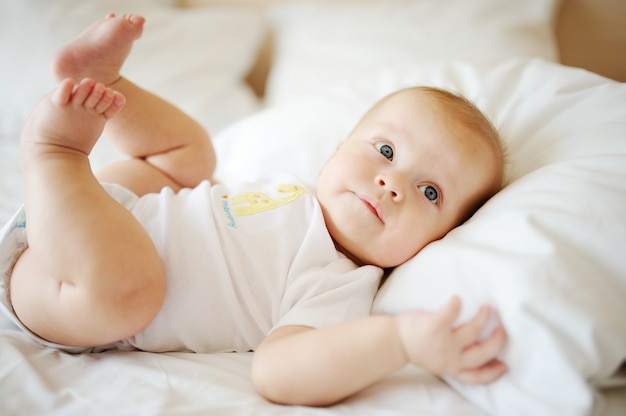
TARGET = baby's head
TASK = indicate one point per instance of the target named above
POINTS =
(419, 163)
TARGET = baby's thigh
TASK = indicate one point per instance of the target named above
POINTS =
(64, 313)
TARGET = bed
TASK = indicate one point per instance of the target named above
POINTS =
(279, 84)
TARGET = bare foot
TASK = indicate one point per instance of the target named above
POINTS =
(99, 51)
(70, 119)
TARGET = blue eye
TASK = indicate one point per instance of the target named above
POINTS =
(385, 150)
(430, 192)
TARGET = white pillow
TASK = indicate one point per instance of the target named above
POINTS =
(323, 46)
(196, 58)
(297, 137)
(547, 252)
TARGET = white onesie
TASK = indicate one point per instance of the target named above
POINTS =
(240, 261)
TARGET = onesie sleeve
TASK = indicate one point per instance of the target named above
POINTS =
(329, 295)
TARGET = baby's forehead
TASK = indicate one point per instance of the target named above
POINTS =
(411, 103)
(406, 96)
(430, 97)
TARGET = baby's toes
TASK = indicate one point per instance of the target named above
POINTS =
(82, 92)
(94, 97)
(63, 93)
(112, 105)
(106, 99)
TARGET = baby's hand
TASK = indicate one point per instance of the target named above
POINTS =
(431, 342)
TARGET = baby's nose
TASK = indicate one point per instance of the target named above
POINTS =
(392, 184)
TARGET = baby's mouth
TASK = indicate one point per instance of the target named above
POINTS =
(373, 205)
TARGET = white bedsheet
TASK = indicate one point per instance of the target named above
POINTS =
(35, 380)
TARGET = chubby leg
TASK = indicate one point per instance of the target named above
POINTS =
(166, 146)
(91, 274)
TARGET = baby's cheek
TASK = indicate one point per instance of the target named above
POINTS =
(397, 251)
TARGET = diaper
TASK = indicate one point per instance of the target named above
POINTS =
(13, 242)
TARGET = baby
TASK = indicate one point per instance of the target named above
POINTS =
(161, 259)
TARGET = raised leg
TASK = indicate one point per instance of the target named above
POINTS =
(91, 274)
(166, 145)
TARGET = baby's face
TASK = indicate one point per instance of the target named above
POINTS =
(405, 176)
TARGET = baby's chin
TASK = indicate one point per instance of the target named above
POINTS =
(384, 261)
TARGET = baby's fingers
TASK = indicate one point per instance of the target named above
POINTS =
(487, 373)
(479, 354)
(469, 332)
(449, 312)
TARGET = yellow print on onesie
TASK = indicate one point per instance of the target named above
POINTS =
(250, 203)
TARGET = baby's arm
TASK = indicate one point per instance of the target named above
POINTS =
(299, 365)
